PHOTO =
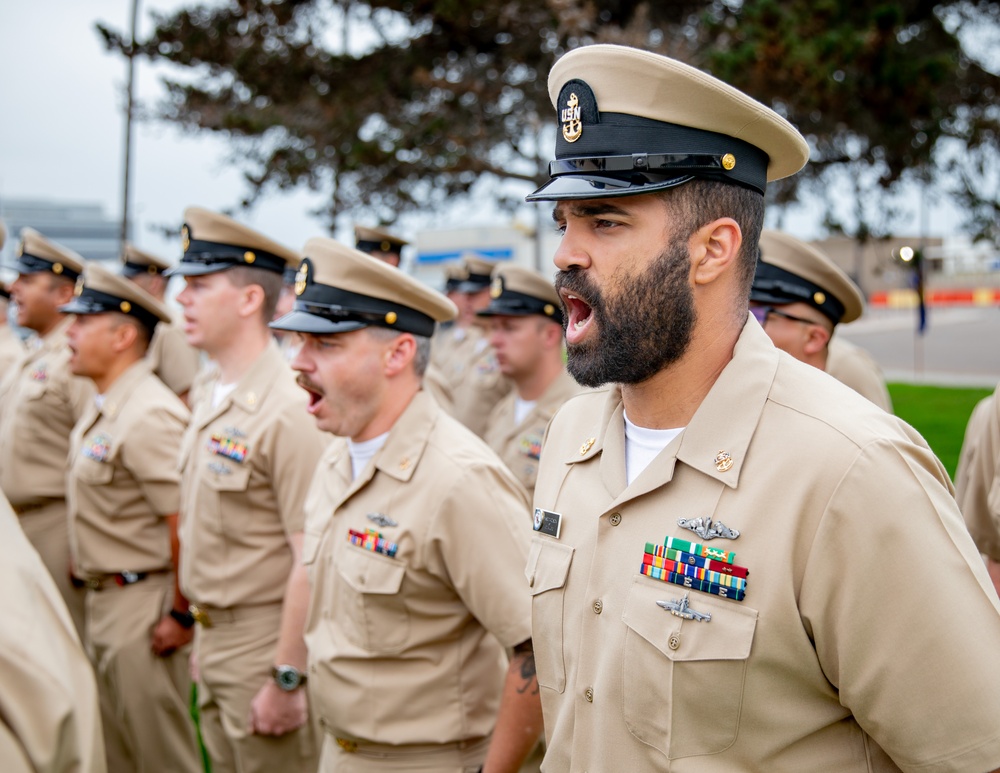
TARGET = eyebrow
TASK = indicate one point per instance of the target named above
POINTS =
(586, 209)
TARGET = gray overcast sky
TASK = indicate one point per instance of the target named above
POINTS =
(62, 128)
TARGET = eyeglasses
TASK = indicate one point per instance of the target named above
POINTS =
(761, 313)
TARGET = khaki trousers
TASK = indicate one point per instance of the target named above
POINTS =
(144, 698)
(340, 757)
(47, 529)
(235, 655)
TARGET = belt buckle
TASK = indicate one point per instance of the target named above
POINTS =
(200, 616)
(347, 745)
(92, 584)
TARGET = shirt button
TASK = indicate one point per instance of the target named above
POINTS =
(598, 607)
(674, 641)
(615, 519)
(589, 695)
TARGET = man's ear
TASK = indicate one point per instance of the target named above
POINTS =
(714, 248)
(251, 300)
(400, 353)
(817, 337)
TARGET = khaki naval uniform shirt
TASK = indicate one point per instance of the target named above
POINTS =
(123, 477)
(408, 649)
(11, 350)
(855, 367)
(40, 401)
(174, 360)
(49, 718)
(520, 445)
(246, 467)
(482, 386)
(869, 629)
(977, 479)
(453, 348)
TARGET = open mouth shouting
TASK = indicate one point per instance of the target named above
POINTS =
(315, 392)
(576, 297)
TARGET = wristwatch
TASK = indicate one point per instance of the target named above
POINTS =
(288, 678)
(186, 619)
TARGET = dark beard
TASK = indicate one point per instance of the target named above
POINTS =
(640, 330)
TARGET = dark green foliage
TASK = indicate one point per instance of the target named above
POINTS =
(418, 100)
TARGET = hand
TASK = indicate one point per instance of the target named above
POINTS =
(276, 712)
(168, 635)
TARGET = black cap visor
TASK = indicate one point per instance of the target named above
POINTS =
(32, 264)
(300, 321)
(192, 268)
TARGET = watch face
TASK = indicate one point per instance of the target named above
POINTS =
(288, 678)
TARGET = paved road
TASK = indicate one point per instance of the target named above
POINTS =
(961, 346)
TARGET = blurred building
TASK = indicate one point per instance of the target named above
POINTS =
(81, 226)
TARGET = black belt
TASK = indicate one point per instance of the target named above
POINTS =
(121, 579)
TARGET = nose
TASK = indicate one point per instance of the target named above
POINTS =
(183, 297)
(302, 362)
(571, 252)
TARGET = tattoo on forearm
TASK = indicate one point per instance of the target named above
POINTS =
(526, 666)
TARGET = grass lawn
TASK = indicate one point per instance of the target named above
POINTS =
(939, 414)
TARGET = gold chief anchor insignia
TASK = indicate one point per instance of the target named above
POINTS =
(572, 126)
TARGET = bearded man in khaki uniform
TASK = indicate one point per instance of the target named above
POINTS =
(525, 318)
(123, 495)
(414, 535)
(739, 563)
(49, 718)
(174, 360)
(40, 401)
(800, 296)
(247, 459)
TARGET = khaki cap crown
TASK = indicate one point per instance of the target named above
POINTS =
(36, 253)
(100, 291)
(790, 270)
(478, 273)
(339, 289)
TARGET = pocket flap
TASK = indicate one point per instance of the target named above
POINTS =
(548, 565)
(94, 472)
(727, 636)
(223, 475)
(368, 572)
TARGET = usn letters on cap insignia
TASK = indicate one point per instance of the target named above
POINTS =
(572, 125)
(302, 277)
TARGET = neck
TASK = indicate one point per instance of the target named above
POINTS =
(670, 398)
(396, 399)
(239, 355)
(50, 326)
(819, 359)
(116, 369)
(533, 385)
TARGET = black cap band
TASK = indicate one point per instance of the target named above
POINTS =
(381, 246)
(203, 257)
(4, 292)
(91, 301)
(474, 283)
(341, 306)
(514, 304)
(775, 285)
(27, 263)
(135, 269)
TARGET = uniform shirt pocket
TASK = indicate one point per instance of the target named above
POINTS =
(93, 473)
(546, 571)
(371, 608)
(683, 679)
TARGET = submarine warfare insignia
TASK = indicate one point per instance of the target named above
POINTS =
(705, 529)
(680, 608)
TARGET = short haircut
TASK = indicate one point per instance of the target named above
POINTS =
(701, 201)
(423, 353)
(268, 281)
(143, 333)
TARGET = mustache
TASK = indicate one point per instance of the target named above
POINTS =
(309, 385)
